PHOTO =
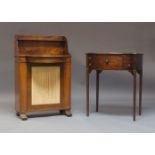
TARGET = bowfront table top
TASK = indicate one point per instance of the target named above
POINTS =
(117, 53)
(132, 62)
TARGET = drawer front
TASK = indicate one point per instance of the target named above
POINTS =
(105, 62)
(128, 62)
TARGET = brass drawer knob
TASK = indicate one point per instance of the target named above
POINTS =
(129, 65)
(106, 60)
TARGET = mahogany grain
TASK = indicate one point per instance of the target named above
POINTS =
(41, 51)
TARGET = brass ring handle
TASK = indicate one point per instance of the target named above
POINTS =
(106, 60)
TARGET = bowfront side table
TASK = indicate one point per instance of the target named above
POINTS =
(132, 62)
(43, 74)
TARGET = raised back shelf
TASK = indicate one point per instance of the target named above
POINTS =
(44, 45)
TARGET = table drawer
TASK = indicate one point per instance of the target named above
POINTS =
(106, 62)
(128, 62)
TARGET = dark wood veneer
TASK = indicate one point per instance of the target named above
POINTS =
(131, 62)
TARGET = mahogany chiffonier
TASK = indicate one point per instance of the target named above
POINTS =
(43, 75)
(131, 62)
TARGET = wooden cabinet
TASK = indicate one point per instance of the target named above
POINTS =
(43, 75)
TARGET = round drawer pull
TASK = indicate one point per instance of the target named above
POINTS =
(106, 60)
(129, 65)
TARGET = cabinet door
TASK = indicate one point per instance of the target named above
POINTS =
(45, 86)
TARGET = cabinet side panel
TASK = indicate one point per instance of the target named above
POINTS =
(16, 87)
(67, 85)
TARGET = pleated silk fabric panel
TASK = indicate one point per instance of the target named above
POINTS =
(45, 85)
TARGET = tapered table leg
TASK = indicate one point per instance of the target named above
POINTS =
(134, 95)
(97, 90)
(87, 92)
(140, 91)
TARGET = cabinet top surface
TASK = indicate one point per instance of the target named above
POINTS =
(40, 38)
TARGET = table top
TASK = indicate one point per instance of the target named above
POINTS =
(117, 53)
